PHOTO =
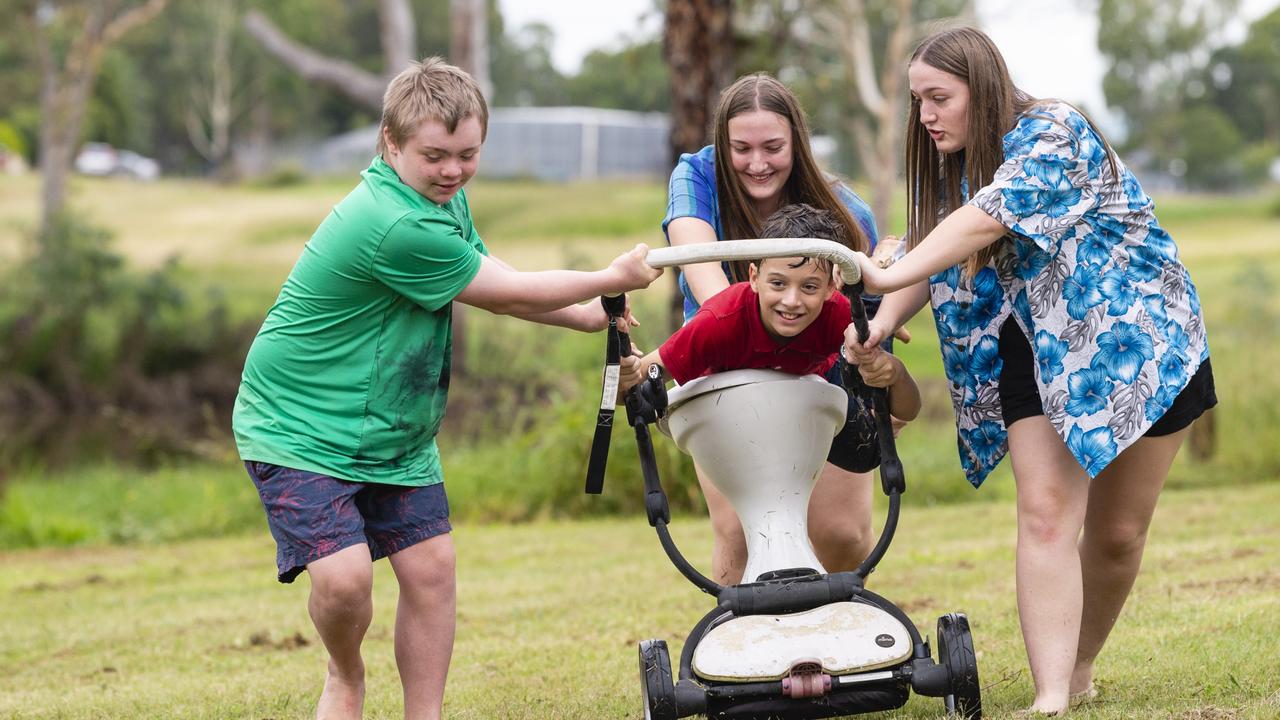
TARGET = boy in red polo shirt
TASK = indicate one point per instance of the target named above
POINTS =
(789, 317)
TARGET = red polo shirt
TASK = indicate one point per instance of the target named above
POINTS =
(728, 334)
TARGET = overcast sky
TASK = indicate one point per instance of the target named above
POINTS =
(1017, 26)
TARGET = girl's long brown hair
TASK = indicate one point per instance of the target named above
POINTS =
(934, 179)
(807, 183)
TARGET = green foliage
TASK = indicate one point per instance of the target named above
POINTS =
(1244, 80)
(1149, 46)
(633, 78)
(281, 177)
(522, 71)
(11, 139)
(117, 111)
(1205, 144)
(109, 351)
(107, 504)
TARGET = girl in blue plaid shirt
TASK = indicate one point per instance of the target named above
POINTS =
(760, 161)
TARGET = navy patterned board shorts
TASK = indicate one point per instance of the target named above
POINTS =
(312, 516)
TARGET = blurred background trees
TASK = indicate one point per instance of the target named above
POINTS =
(205, 86)
(189, 86)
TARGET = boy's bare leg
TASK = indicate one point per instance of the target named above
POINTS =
(728, 543)
(341, 606)
(1122, 501)
(1053, 493)
(425, 620)
(840, 518)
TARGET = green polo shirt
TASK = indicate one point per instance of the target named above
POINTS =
(350, 372)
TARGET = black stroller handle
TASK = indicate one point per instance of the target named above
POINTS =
(892, 479)
(618, 345)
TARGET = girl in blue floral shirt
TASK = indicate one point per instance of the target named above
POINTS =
(1071, 335)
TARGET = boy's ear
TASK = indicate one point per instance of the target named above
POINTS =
(753, 273)
(834, 282)
(831, 290)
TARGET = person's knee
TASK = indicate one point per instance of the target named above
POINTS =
(1048, 516)
(844, 544)
(349, 589)
(426, 571)
(728, 530)
(1119, 541)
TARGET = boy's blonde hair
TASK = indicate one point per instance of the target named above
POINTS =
(430, 90)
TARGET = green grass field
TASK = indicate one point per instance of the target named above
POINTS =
(550, 614)
(150, 593)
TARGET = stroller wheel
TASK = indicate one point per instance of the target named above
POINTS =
(955, 652)
(656, 685)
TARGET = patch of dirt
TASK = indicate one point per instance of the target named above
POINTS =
(915, 605)
(263, 640)
(68, 585)
(1210, 712)
(1246, 583)
(1245, 552)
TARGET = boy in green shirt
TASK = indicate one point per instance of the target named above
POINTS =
(345, 385)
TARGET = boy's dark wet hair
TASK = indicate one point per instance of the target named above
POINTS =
(800, 220)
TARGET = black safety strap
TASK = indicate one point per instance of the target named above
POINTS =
(618, 345)
(891, 475)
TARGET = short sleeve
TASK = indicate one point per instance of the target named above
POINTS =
(839, 315)
(861, 213)
(1044, 186)
(691, 190)
(462, 206)
(427, 258)
(695, 348)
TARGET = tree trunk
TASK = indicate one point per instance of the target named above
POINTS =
(469, 40)
(881, 94)
(697, 41)
(65, 87)
(212, 110)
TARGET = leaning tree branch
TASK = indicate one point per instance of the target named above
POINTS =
(359, 85)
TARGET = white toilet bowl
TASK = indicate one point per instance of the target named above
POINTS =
(761, 437)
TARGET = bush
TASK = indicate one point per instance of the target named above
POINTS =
(11, 139)
(102, 360)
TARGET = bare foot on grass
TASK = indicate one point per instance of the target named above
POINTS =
(343, 698)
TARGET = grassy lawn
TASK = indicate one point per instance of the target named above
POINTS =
(146, 617)
(550, 614)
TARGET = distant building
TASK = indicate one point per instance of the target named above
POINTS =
(546, 143)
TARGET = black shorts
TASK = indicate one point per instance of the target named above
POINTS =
(856, 447)
(1020, 398)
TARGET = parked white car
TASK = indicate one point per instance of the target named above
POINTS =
(97, 158)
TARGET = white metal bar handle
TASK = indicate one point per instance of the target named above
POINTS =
(759, 249)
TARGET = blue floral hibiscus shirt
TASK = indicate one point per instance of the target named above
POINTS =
(1092, 280)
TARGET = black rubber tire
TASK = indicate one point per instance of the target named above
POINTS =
(956, 654)
(657, 687)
